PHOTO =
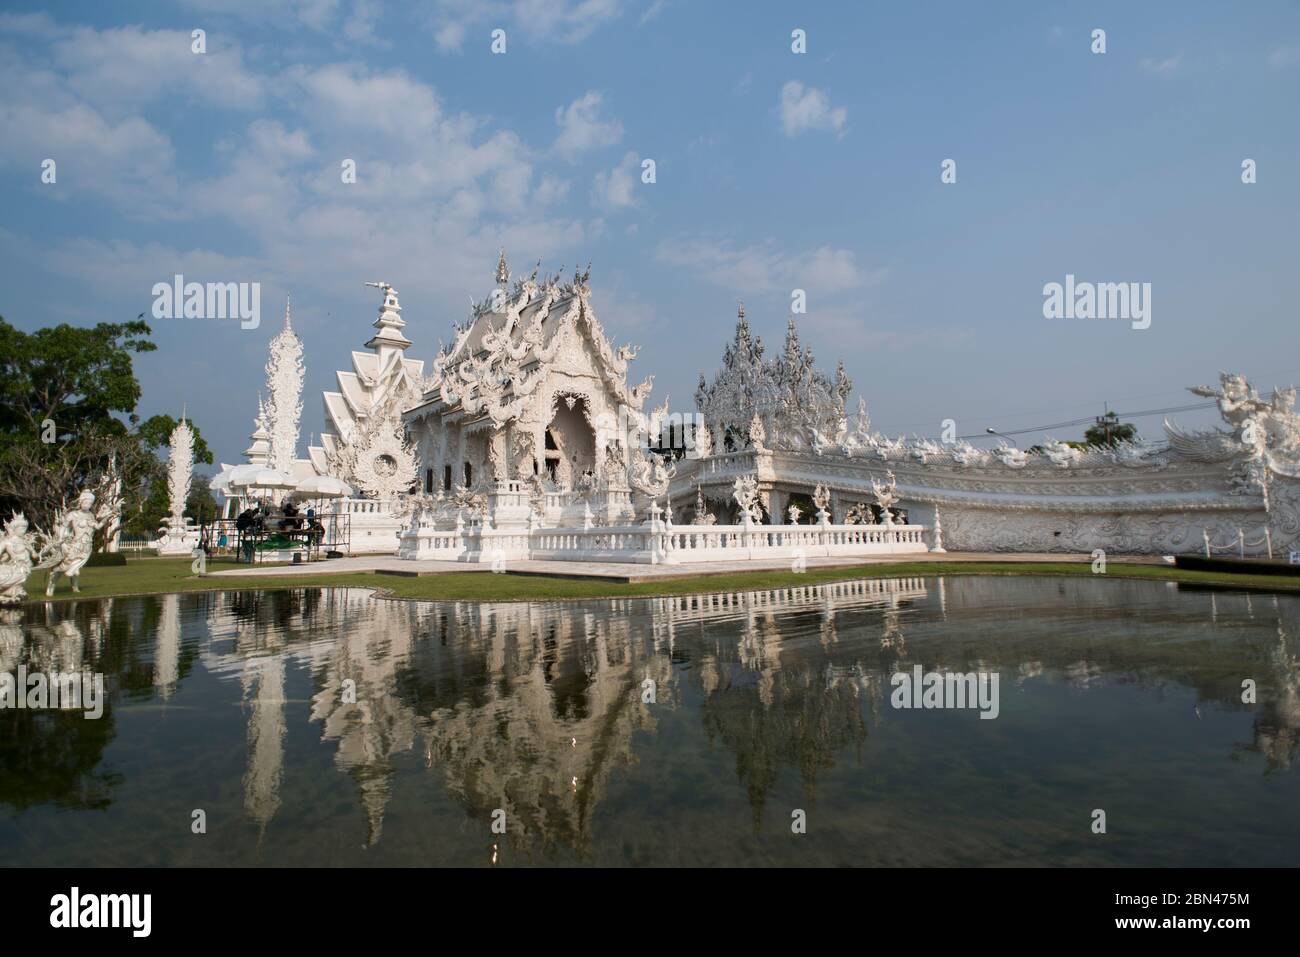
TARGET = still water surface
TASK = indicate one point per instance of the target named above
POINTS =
(1123, 696)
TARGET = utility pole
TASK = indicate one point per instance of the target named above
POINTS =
(1107, 421)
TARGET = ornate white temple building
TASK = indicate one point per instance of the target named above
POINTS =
(527, 440)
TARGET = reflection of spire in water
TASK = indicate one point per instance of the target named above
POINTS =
(263, 680)
(379, 723)
(166, 659)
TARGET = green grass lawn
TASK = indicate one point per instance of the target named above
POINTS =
(150, 576)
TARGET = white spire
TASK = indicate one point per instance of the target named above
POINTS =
(284, 376)
(389, 323)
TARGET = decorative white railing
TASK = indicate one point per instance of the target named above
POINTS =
(702, 543)
(656, 542)
(366, 506)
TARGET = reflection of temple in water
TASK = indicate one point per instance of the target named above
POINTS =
(534, 708)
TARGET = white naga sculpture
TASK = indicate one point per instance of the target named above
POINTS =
(69, 545)
(17, 558)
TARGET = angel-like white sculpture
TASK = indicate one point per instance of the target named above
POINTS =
(886, 497)
(17, 558)
(71, 542)
(745, 493)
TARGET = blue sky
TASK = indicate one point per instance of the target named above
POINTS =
(775, 171)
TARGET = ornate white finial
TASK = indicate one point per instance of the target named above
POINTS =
(287, 302)
(503, 271)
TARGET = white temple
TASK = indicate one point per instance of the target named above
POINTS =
(527, 441)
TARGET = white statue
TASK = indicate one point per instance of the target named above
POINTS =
(757, 433)
(17, 557)
(702, 516)
(886, 498)
(71, 542)
(822, 499)
(963, 453)
(745, 492)
(1010, 456)
(859, 514)
(794, 511)
(649, 474)
(1061, 454)
(1235, 398)
(703, 441)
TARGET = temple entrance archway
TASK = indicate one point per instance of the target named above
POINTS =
(570, 442)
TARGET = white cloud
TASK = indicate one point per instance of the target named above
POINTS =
(616, 189)
(453, 22)
(123, 159)
(1283, 57)
(124, 68)
(765, 267)
(808, 108)
(1161, 67)
(652, 12)
(582, 128)
(360, 25)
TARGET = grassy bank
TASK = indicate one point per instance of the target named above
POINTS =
(165, 575)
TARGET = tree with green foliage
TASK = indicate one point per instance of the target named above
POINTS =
(67, 411)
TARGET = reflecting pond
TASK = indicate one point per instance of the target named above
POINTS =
(329, 727)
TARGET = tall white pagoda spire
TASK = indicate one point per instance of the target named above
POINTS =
(364, 435)
(284, 376)
(389, 339)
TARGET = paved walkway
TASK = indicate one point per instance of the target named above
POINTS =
(626, 572)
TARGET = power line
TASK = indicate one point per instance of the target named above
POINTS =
(1091, 419)
(903, 429)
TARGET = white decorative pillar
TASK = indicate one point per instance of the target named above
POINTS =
(937, 534)
(175, 537)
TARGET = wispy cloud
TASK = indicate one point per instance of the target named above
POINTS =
(583, 129)
(808, 108)
(766, 267)
(1161, 67)
(537, 21)
(1283, 57)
